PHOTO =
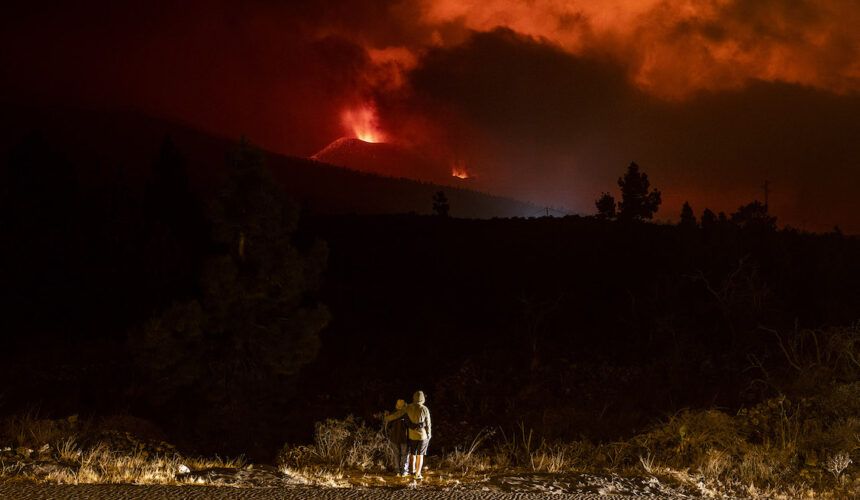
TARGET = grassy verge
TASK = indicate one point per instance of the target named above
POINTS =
(114, 450)
(777, 449)
(800, 447)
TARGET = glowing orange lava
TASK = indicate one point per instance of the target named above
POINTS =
(459, 171)
(363, 123)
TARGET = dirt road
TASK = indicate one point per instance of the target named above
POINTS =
(25, 491)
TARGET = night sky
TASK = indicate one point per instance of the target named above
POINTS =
(543, 100)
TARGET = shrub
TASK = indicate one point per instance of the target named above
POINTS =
(70, 451)
(466, 459)
(688, 437)
(345, 444)
(28, 430)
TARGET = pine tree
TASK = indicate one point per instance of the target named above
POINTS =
(638, 202)
(255, 323)
(606, 207)
(754, 216)
(709, 219)
(688, 218)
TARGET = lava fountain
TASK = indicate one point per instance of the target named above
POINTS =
(363, 123)
(458, 170)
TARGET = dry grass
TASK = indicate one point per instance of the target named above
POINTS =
(467, 459)
(760, 453)
(708, 452)
(50, 450)
(101, 465)
(31, 431)
(67, 450)
(767, 451)
(648, 464)
(779, 448)
(715, 465)
(341, 444)
(550, 458)
(521, 449)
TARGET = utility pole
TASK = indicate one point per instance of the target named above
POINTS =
(766, 188)
(547, 211)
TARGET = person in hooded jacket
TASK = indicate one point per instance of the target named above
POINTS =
(420, 431)
(398, 431)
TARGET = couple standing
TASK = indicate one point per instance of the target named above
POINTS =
(410, 433)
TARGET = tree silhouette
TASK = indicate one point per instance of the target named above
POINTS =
(688, 218)
(174, 226)
(754, 216)
(709, 219)
(255, 323)
(440, 204)
(606, 207)
(637, 202)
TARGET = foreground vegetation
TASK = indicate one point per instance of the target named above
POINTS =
(778, 449)
(112, 450)
(801, 443)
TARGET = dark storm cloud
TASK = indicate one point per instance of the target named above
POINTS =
(542, 93)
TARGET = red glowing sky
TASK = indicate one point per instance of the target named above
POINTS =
(545, 100)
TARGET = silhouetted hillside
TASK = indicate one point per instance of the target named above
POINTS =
(384, 159)
(106, 148)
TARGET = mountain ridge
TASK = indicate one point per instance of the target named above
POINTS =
(106, 145)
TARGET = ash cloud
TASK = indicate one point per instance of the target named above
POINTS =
(675, 49)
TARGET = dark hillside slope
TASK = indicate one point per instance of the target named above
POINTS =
(110, 147)
(384, 159)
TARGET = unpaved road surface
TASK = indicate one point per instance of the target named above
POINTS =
(29, 491)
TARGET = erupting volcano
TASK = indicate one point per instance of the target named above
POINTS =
(363, 123)
(381, 158)
(459, 170)
(364, 148)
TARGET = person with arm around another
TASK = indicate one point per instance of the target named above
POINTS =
(398, 433)
(420, 431)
